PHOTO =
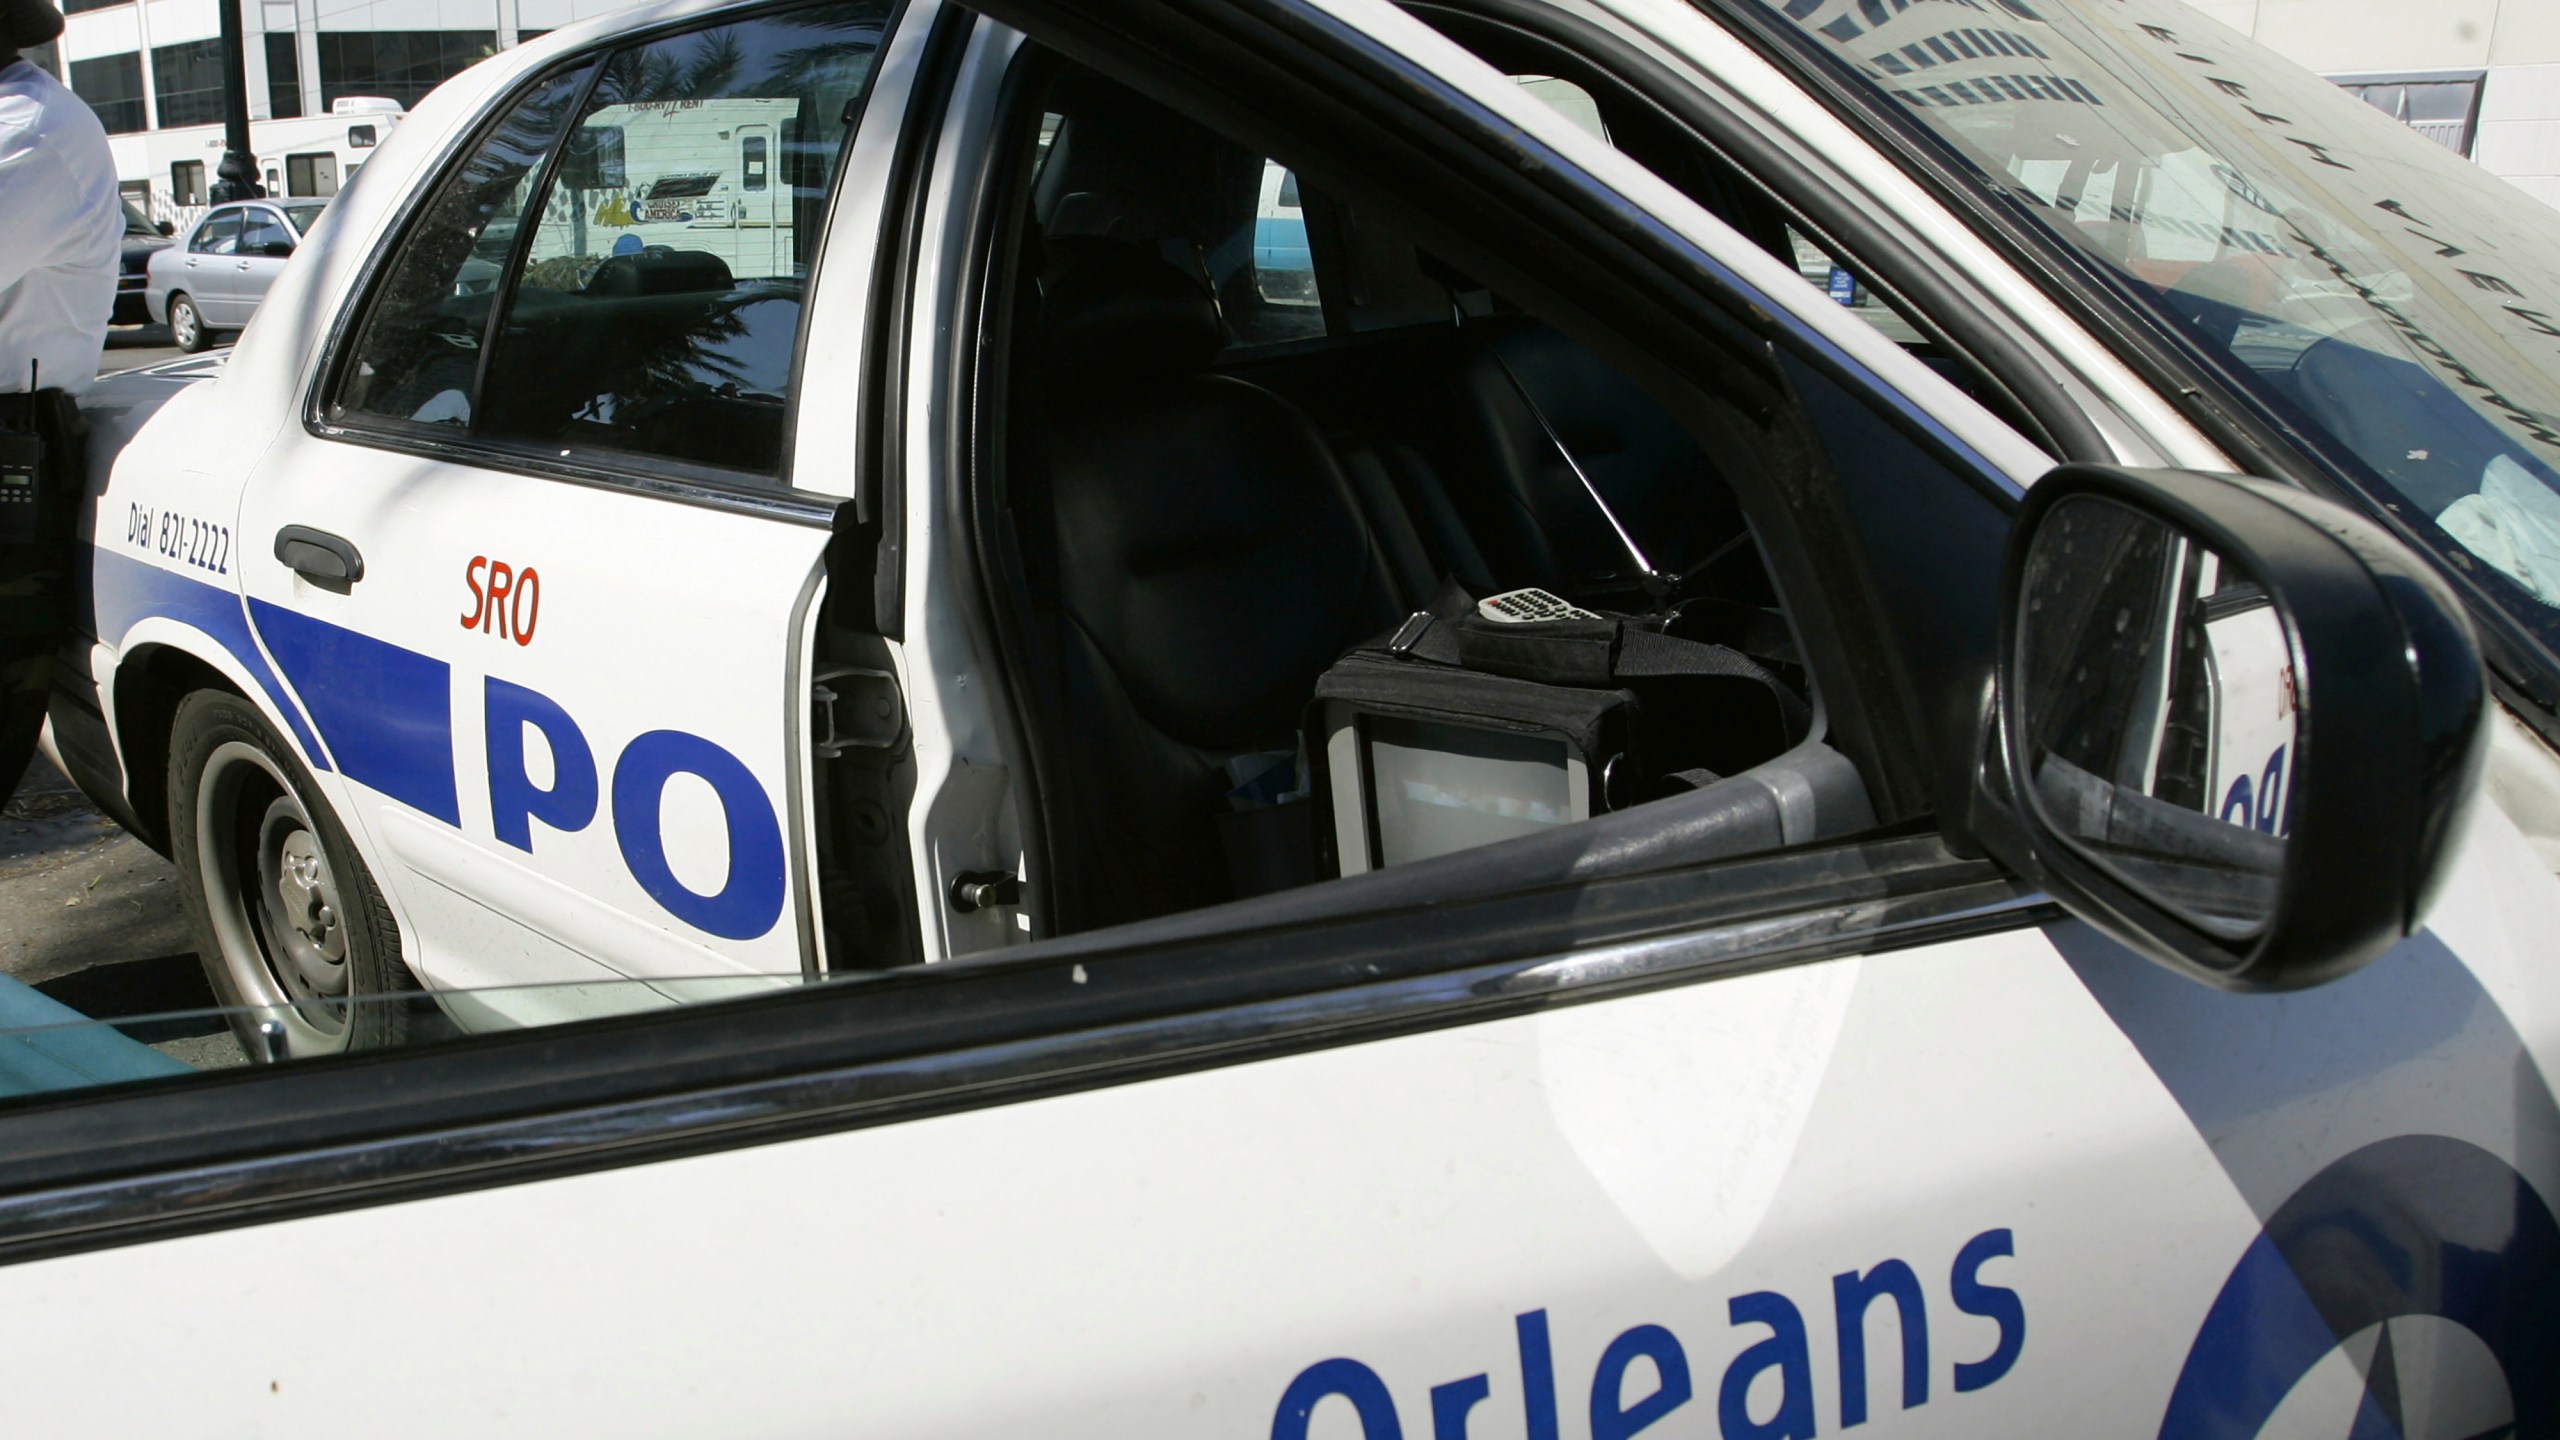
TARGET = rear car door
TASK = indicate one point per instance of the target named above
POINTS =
(211, 265)
(535, 570)
(265, 244)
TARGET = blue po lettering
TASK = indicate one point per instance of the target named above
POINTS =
(515, 802)
(1612, 1420)
(750, 900)
(1347, 1378)
(1851, 1294)
(1784, 1351)
(1996, 1303)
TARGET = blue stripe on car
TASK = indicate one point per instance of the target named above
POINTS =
(124, 591)
(387, 712)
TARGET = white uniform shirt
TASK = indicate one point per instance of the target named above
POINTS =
(61, 232)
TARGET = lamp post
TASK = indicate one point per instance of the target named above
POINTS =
(236, 178)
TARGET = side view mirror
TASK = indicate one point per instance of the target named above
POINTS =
(2236, 723)
(168, 227)
(277, 249)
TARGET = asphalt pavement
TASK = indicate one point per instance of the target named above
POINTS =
(90, 916)
(130, 347)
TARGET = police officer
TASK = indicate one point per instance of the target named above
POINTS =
(61, 224)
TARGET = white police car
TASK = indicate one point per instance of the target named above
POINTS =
(1253, 988)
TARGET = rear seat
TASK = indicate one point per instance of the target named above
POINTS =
(1444, 433)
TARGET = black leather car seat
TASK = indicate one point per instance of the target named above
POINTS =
(1208, 560)
(1523, 379)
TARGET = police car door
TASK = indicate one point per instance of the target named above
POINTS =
(537, 569)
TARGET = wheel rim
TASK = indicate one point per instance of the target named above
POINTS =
(272, 899)
(182, 324)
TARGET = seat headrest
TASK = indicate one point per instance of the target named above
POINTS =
(1114, 311)
(665, 272)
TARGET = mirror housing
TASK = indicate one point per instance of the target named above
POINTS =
(277, 249)
(2384, 716)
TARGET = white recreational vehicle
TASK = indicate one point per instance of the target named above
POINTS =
(170, 173)
(700, 175)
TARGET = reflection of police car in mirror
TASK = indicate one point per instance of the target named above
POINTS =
(1278, 632)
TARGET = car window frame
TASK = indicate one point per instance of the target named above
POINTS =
(775, 496)
(157, 1159)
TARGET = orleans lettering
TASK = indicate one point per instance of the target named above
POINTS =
(1767, 1390)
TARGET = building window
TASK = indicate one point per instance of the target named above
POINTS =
(74, 7)
(2444, 108)
(284, 76)
(112, 84)
(186, 183)
(401, 64)
(187, 79)
(315, 174)
(46, 57)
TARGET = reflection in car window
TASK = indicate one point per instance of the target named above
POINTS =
(2402, 308)
(660, 298)
(418, 356)
(261, 228)
(304, 216)
(218, 235)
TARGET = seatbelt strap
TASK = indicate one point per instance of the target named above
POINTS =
(1656, 584)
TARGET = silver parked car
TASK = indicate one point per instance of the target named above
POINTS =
(213, 279)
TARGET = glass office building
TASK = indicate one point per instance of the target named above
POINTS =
(153, 67)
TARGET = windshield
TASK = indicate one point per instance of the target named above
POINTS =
(303, 217)
(137, 223)
(2376, 291)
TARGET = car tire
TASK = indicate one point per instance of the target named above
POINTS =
(294, 935)
(187, 329)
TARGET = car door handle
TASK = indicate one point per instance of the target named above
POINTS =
(318, 556)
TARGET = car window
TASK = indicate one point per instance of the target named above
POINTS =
(2396, 308)
(417, 359)
(1199, 491)
(261, 228)
(218, 235)
(661, 291)
(643, 303)
(303, 217)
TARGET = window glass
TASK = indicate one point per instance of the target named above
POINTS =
(186, 182)
(400, 64)
(660, 300)
(1569, 100)
(303, 217)
(1844, 285)
(187, 81)
(112, 84)
(284, 76)
(418, 353)
(1284, 268)
(218, 235)
(311, 174)
(261, 228)
(2398, 309)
